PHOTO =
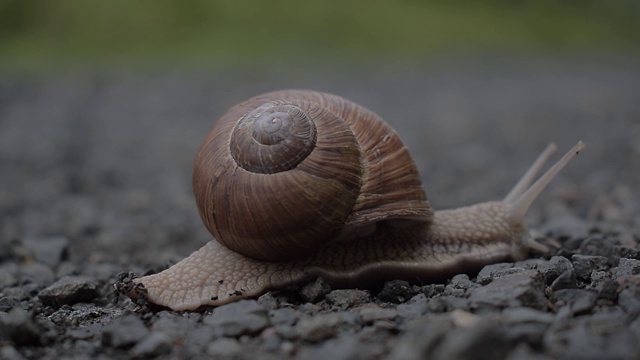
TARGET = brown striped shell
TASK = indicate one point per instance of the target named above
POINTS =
(286, 172)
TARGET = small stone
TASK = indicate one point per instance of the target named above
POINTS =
(607, 290)
(598, 277)
(69, 290)
(416, 306)
(626, 267)
(580, 301)
(7, 277)
(343, 348)
(597, 245)
(629, 300)
(327, 325)
(125, 332)
(626, 252)
(521, 289)
(486, 338)
(347, 298)
(8, 352)
(565, 281)
(7, 303)
(461, 281)
(49, 250)
(19, 326)
(155, 344)
(375, 313)
(585, 264)
(315, 291)
(224, 348)
(526, 315)
(238, 318)
(396, 291)
(268, 301)
(286, 316)
(421, 337)
(555, 267)
(487, 274)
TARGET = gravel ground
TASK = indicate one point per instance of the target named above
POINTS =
(95, 180)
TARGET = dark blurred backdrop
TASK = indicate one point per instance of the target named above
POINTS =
(40, 35)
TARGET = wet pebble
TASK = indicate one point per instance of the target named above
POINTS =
(396, 291)
(487, 338)
(69, 290)
(489, 272)
(626, 267)
(153, 345)
(19, 326)
(520, 289)
(579, 301)
(585, 264)
(556, 267)
(238, 318)
(416, 306)
(326, 325)
(347, 298)
(224, 348)
(315, 291)
(124, 332)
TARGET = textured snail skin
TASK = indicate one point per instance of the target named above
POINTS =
(370, 247)
(457, 240)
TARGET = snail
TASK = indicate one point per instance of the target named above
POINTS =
(297, 184)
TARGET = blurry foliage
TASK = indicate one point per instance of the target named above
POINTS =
(36, 33)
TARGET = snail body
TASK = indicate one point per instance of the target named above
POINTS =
(299, 184)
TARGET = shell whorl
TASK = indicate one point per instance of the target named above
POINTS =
(283, 173)
(273, 138)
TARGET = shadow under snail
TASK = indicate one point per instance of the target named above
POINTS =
(299, 184)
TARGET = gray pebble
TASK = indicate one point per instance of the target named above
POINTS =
(585, 264)
(238, 318)
(224, 348)
(347, 298)
(626, 267)
(8, 352)
(343, 348)
(69, 290)
(461, 281)
(526, 315)
(7, 303)
(372, 312)
(607, 289)
(486, 338)
(629, 300)
(522, 289)
(19, 326)
(287, 316)
(154, 344)
(124, 332)
(268, 301)
(488, 272)
(555, 267)
(7, 277)
(421, 337)
(626, 252)
(315, 291)
(596, 245)
(416, 306)
(396, 291)
(327, 325)
(48, 250)
(566, 280)
(579, 301)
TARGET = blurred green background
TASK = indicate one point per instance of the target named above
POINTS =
(43, 34)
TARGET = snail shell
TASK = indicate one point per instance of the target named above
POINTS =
(283, 173)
